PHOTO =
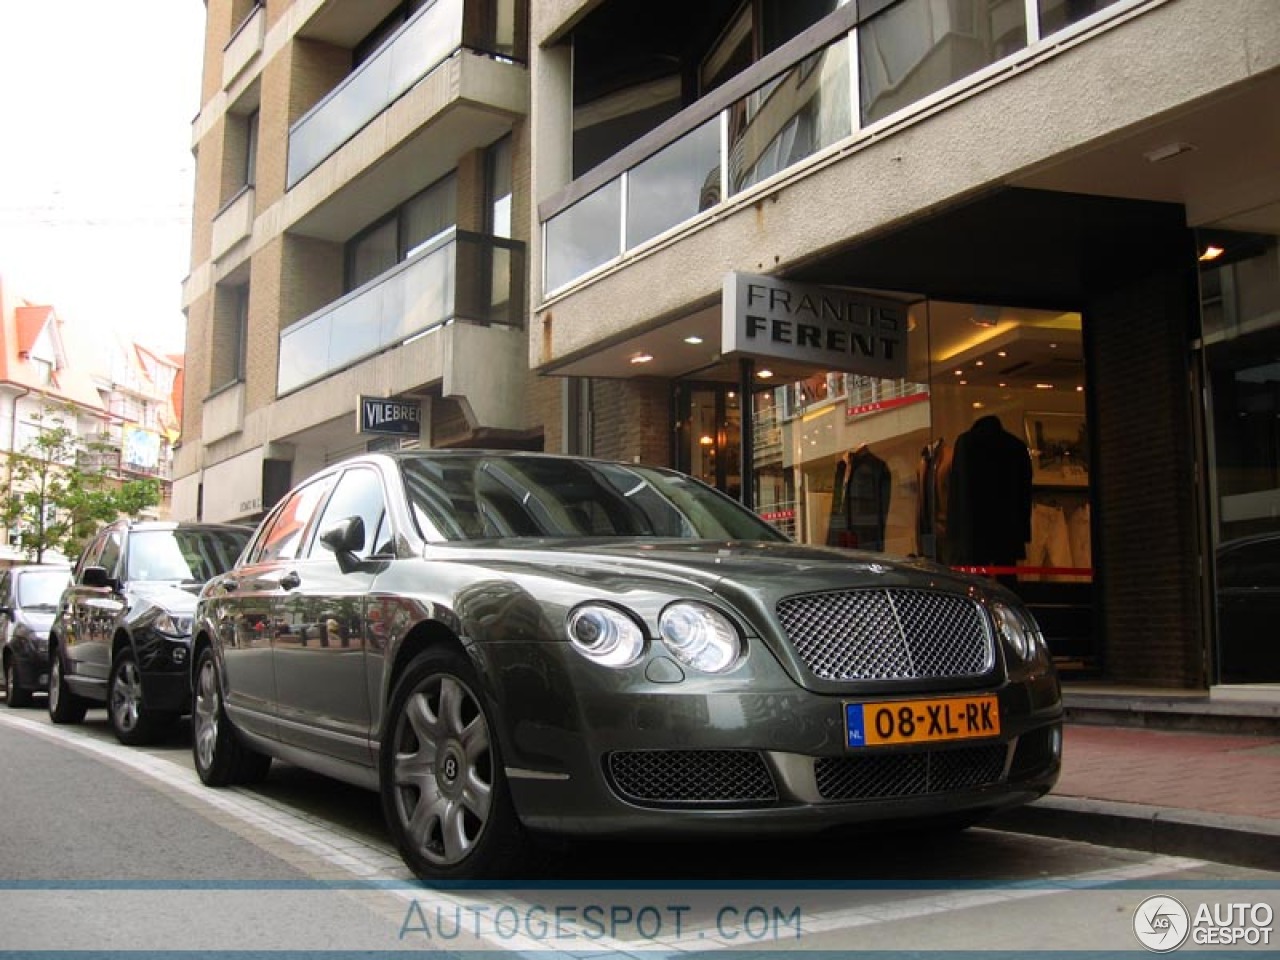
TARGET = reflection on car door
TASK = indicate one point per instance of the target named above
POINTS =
(93, 613)
(249, 618)
(321, 656)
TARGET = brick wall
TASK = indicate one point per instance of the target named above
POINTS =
(1146, 547)
(632, 418)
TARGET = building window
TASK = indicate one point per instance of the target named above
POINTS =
(248, 172)
(498, 189)
(230, 336)
(399, 235)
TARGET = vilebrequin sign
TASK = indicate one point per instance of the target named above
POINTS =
(826, 327)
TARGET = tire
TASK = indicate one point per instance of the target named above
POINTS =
(64, 706)
(444, 795)
(221, 759)
(15, 694)
(131, 721)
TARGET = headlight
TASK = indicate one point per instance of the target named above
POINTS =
(700, 637)
(173, 626)
(605, 634)
(1020, 631)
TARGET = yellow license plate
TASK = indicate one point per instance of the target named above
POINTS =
(922, 721)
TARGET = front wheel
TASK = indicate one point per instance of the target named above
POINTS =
(131, 721)
(444, 794)
(64, 706)
(221, 759)
(15, 694)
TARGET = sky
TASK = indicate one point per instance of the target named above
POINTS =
(96, 170)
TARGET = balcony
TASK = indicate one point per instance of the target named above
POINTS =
(494, 27)
(850, 78)
(233, 223)
(463, 277)
(244, 45)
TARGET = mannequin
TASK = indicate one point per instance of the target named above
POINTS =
(989, 501)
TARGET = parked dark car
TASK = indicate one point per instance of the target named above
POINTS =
(508, 643)
(28, 599)
(122, 634)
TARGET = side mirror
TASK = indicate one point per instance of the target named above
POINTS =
(95, 577)
(345, 536)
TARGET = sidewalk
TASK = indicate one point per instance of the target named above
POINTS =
(1174, 791)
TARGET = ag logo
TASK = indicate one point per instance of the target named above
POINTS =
(1161, 923)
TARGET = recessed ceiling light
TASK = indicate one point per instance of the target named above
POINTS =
(1044, 386)
(964, 383)
(642, 358)
(1002, 353)
(1211, 252)
(693, 340)
(705, 440)
(1004, 384)
(765, 374)
(978, 404)
(1079, 389)
(959, 373)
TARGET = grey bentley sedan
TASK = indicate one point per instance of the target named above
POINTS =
(509, 644)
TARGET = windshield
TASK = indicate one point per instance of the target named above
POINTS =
(480, 497)
(41, 588)
(192, 556)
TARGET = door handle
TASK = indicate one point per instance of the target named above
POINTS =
(290, 581)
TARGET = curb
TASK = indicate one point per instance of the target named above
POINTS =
(1240, 841)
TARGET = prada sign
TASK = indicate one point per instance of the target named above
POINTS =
(389, 417)
(824, 327)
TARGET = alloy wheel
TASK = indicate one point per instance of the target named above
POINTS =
(204, 718)
(443, 770)
(126, 696)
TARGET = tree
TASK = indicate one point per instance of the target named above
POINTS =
(56, 497)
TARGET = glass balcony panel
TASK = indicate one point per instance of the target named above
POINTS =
(675, 184)
(917, 47)
(795, 115)
(422, 44)
(584, 236)
(419, 295)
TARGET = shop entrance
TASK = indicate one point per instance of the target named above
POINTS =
(708, 434)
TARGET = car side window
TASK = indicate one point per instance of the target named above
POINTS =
(281, 540)
(358, 494)
(6, 590)
(112, 547)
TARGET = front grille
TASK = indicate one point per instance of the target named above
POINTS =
(691, 776)
(876, 776)
(888, 634)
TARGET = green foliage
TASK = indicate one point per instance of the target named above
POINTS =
(57, 494)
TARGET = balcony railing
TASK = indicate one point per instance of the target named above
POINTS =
(426, 40)
(851, 71)
(462, 277)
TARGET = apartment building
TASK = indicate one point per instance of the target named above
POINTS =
(821, 254)
(359, 241)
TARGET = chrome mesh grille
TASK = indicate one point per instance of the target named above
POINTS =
(888, 634)
(876, 776)
(691, 776)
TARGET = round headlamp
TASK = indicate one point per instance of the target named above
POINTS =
(700, 637)
(1020, 631)
(605, 634)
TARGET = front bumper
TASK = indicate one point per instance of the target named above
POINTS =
(591, 750)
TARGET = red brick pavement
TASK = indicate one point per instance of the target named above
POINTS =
(1215, 773)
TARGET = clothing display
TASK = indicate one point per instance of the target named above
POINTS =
(860, 507)
(933, 476)
(989, 501)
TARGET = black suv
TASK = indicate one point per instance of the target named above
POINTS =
(28, 599)
(122, 633)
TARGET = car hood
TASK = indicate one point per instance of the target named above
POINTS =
(37, 619)
(170, 596)
(758, 566)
